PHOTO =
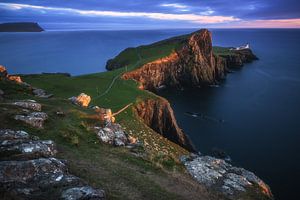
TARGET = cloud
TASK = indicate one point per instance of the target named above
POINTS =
(275, 23)
(193, 18)
(174, 5)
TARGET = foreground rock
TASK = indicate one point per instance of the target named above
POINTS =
(5, 76)
(112, 134)
(221, 176)
(81, 100)
(28, 104)
(28, 171)
(34, 119)
(41, 93)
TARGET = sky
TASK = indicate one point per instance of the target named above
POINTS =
(153, 14)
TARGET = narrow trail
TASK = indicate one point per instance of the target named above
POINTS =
(119, 75)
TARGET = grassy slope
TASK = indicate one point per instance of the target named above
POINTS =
(121, 174)
(157, 50)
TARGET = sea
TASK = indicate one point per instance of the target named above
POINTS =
(253, 116)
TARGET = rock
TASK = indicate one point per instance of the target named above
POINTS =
(30, 104)
(35, 179)
(106, 115)
(26, 149)
(239, 57)
(60, 113)
(35, 119)
(95, 107)
(3, 72)
(81, 100)
(41, 93)
(30, 171)
(8, 134)
(158, 115)
(192, 65)
(16, 79)
(219, 175)
(85, 192)
(132, 140)
(112, 134)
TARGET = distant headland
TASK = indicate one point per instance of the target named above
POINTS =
(20, 27)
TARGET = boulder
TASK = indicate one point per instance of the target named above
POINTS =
(41, 93)
(29, 104)
(35, 119)
(112, 134)
(219, 175)
(85, 192)
(16, 79)
(3, 72)
(8, 134)
(24, 149)
(41, 178)
(81, 100)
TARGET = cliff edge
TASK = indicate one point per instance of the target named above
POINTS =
(192, 64)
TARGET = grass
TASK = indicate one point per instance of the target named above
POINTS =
(123, 173)
(147, 53)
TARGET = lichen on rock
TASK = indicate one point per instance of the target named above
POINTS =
(221, 176)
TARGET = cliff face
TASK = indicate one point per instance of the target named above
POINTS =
(192, 65)
(239, 58)
(158, 114)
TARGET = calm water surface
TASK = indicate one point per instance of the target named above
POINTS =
(259, 103)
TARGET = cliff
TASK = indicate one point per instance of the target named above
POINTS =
(158, 114)
(193, 63)
(20, 27)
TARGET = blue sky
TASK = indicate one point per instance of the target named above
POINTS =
(152, 14)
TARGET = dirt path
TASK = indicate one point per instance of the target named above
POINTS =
(119, 75)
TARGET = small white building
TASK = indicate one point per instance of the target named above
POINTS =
(246, 46)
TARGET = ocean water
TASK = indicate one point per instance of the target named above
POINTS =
(258, 103)
(75, 52)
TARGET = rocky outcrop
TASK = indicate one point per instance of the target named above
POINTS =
(114, 134)
(28, 104)
(5, 76)
(41, 93)
(35, 119)
(239, 57)
(158, 115)
(192, 65)
(29, 171)
(81, 100)
(216, 174)
(20, 27)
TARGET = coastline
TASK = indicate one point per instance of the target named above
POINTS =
(91, 75)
